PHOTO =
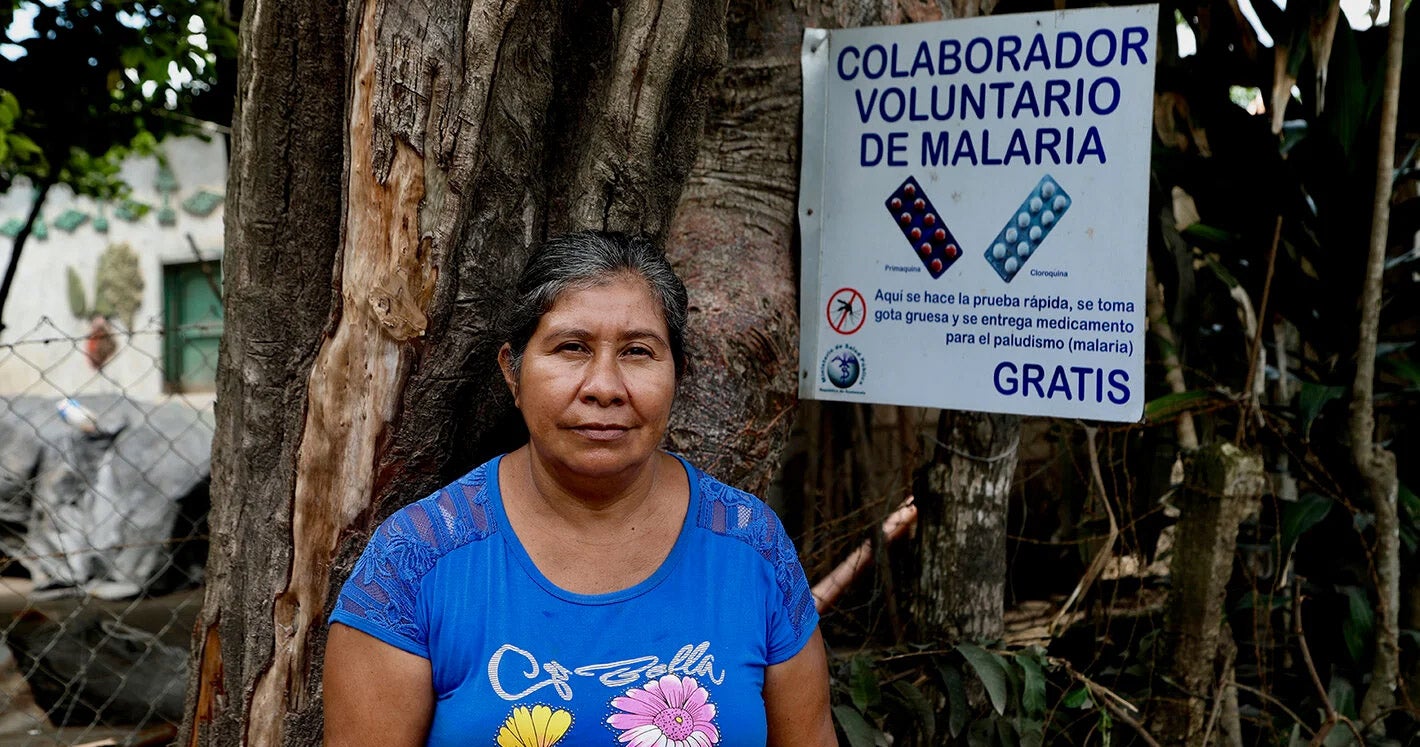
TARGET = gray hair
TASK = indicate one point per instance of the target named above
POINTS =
(585, 259)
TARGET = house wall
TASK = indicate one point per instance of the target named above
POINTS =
(41, 349)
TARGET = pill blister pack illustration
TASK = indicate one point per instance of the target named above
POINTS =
(933, 243)
(1028, 226)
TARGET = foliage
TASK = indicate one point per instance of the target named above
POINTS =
(118, 284)
(967, 695)
(78, 299)
(99, 79)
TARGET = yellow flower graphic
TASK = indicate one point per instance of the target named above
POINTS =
(539, 726)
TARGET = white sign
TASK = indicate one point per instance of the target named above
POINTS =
(974, 211)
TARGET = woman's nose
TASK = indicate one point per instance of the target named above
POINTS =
(604, 384)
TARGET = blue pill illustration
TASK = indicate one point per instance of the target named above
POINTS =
(1029, 225)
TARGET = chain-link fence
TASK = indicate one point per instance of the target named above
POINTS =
(105, 443)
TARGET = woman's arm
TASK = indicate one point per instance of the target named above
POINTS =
(796, 699)
(375, 694)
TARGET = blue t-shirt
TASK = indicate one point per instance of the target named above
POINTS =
(677, 659)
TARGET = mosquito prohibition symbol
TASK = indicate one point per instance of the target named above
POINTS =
(846, 311)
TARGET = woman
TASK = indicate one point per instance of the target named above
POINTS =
(587, 588)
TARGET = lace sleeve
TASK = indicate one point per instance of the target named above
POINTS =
(381, 596)
(735, 513)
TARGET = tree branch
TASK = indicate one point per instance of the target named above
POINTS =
(1107, 550)
(828, 589)
(1376, 466)
(1332, 717)
(18, 246)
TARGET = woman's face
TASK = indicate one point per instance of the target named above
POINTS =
(597, 380)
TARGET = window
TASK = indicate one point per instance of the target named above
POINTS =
(192, 312)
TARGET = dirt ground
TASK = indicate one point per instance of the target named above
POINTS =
(169, 617)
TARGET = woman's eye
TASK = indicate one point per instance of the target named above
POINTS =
(639, 351)
(571, 347)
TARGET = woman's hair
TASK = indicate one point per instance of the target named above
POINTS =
(575, 261)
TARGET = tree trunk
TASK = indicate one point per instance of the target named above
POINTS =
(283, 235)
(732, 240)
(373, 226)
(1222, 485)
(18, 246)
(961, 527)
(1376, 466)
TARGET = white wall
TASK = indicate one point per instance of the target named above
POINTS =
(38, 307)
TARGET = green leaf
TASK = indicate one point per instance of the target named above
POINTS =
(920, 706)
(1170, 406)
(1402, 368)
(1350, 99)
(1342, 695)
(1220, 271)
(78, 299)
(1298, 517)
(859, 732)
(1310, 401)
(1078, 697)
(991, 669)
(1013, 684)
(1033, 694)
(1007, 733)
(1359, 625)
(1410, 518)
(23, 147)
(982, 733)
(1032, 733)
(863, 683)
(957, 706)
(1205, 234)
(9, 109)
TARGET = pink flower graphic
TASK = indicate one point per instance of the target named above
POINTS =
(669, 712)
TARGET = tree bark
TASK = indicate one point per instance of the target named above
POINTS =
(732, 241)
(283, 229)
(1222, 485)
(962, 499)
(392, 162)
(18, 246)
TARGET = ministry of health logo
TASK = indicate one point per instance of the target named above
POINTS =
(841, 367)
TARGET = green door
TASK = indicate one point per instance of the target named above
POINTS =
(192, 305)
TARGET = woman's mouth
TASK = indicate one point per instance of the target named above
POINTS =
(601, 431)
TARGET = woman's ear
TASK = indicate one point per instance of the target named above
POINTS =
(505, 362)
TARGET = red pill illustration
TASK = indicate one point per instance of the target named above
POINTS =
(925, 229)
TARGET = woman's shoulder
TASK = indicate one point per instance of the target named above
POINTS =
(738, 514)
(424, 531)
